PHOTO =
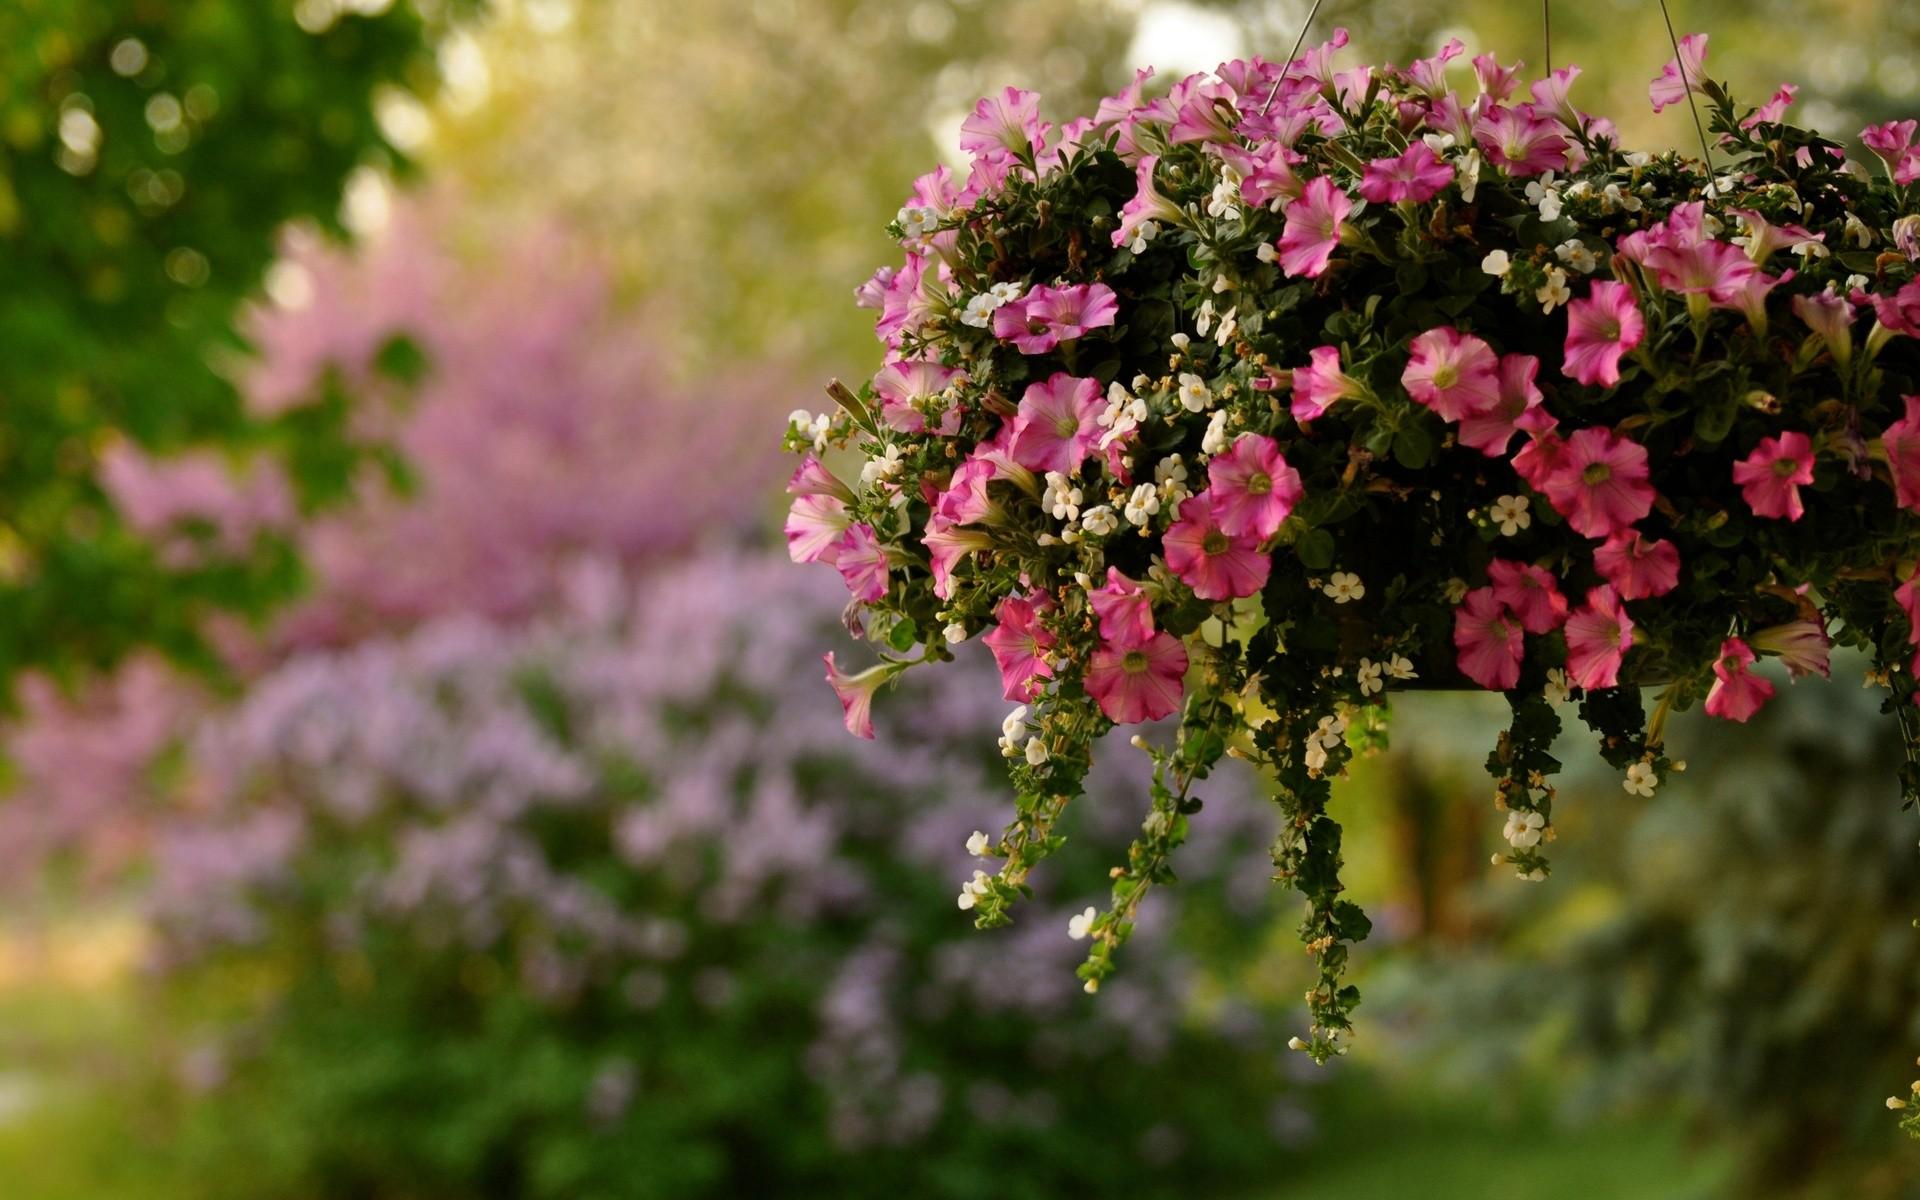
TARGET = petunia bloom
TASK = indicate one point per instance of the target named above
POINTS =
(856, 694)
(1020, 642)
(1803, 647)
(811, 478)
(1890, 141)
(1775, 108)
(1530, 592)
(814, 525)
(1771, 477)
(1047, 316)
(913, 389)
(1138, 683)
(1140, 217)
(1252, 486)
(1058, 423)
(1123, 610)
(862, 562)
(1737, 693)
(1313, 228)
(1681, 75)
(1455, 374)
(1602, 326)
(1322, 384)
(947, 545)
(1599, 634)
(1830, 316)
(1601, 483)
(1521, 142)
(1636, 568)
(1005, 124)
(1517, 410)
(1902, 443)
(1417, 175)
(1488, 640)
(1216, 564)
(1538, 460)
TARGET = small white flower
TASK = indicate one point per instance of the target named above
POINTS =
(1554, 292)
(1344, 586)
(1640, 780)
(881, 466)
(1315, 757)
(1537, 875)
(1523, 829)
(973, 889)
(1857, 282)
(978, 843)
(1544, 196)
(1100, 520)
(1229, 325)
(1510, 514)
(1224, 201)
(1467, 176)
(1143, 233)
(1456, 590)
(1011, 728)
(1266, 252)
(1638, 159)
(1036, 751)
(1181, 341)
(1142, 504)
(1215, 440)
(1367, 675)
(1558, 689)
(1061, 498)
(1575, 254)
(1081, 925)
(1439, 143)
(1004, 292)
(1810, 249)
(1203, 319)
(1497, 263)
(1195, 396)
(916, 222)
(1401, 667)
(955, 633)
(979, 311)
(1857, 232)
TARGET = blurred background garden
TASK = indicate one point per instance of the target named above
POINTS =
(419, 780)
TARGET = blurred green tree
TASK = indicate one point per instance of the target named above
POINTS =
(150, 153)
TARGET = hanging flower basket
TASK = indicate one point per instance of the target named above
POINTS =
(1297, 386)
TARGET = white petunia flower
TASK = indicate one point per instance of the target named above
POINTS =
(1344, 586)
(1510, 514)
(979, 311)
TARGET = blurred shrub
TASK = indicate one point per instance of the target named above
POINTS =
(149, 155)
(613, 906)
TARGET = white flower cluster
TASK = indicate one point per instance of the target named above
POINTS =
(1328, 736)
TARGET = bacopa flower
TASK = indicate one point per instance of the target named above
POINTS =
(1488, 640)
(1455, 374)
(1047, 316)
(1123, 610)
(1599, 634)
(1637, 568)
(1601, 483)
(1518, 409)
(1313, 228)
(1901, 440)
(1320, 385)
(1770, 478)
(1530, 592)
(1737, 693)
(1138, 683)
(1416, 175)
(1217, 565)
(1602, 326)
(1058, 424)
(1252, 486)
(1681, 75)
(1020, 642)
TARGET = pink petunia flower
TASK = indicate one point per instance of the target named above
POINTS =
(966, 500)
(1005, 124)
(1519, 409)
(1764, 239)
(1898, 313)
(811, 478)
(1266, 174)
(1205, 113)
(1681, 75)
(1602, 326)
(1902, 442)
(1138, 683)
(862, 562)
(1713, 269)
(1771, 477)
(1521, 142)
(856, 694)
(1047, 316)
(1600, 486)
(1829, 315)
(1775, 108)
(1487, 641)
(1124, 612)
(1637, 568)
(1216, 564)
(1496, 82)
(1890, 141)
(908, 389)
(1417, 175)
(814, 526)
(1907, 596)
(1455, 374)
(1599, 634)
(1142, 216)
(1058, 423)
(1252, 486)
(1020, 642)
(1553, 94)
(1737, 693)
(947, 544)
(1313, 228)
(1322, 384)
(1429, 75)
(1536, 462)
(1803, 647)
(1529, 592)
(1751, 297)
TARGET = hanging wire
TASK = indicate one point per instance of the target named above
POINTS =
(1687, 84)
(1291, 55)
(1546, 31)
